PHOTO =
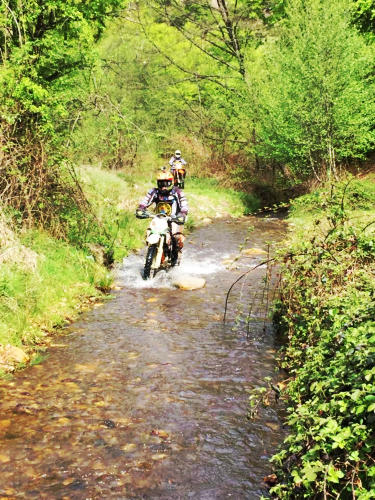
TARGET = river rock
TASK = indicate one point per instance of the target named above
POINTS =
(97, 251)
(254, 251)
(206, 221)
(189, 282)
(10, 355)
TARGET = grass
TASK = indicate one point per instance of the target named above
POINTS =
(208, 199)
(35, 300)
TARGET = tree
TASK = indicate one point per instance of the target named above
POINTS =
(153, 84)
(44, 44)
(222, 29)
(315, 91)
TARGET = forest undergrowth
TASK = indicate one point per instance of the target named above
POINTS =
(326, 312)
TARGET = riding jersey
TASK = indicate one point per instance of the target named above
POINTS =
(173, 159)
(175, 198)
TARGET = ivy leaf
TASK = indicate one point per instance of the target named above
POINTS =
(310, 471)
(333, 475)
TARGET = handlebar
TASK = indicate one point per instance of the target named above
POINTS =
(147, 215)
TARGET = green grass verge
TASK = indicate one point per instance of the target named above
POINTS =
(34, 300)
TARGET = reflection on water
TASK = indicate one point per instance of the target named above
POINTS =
(146, 397)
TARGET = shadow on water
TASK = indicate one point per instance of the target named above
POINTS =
(146, 397)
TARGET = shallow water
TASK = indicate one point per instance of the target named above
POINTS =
(146, 396)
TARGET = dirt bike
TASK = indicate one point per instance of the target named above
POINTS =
(162, 251)
(179, 174)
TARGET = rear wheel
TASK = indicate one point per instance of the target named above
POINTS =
(151, 253)
(175, 178)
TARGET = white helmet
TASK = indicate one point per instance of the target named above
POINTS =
(177, 153)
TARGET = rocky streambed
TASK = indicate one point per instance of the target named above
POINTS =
(147, 395)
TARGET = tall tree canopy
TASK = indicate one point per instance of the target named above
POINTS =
(316, 92)
(44, 45)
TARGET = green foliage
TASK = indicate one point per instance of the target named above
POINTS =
(315, 92)
(156, 88)
(327, 310)
(364, 15)
(287, 85)
(44, 45)
(351, 194)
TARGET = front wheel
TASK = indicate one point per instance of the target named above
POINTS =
(174, 253)
(151, 253)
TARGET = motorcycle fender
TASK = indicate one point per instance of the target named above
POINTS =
(153, 238)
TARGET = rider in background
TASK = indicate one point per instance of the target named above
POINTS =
(177, 157)
(168, 199)
(174, 162)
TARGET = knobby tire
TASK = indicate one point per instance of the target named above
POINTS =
(151, 252)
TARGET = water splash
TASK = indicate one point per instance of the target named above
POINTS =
(193, 263)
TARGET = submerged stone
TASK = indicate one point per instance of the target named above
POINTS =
(189, 282)
(253, 251)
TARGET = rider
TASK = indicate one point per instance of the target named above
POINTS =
(169, 199)
(173, 163)
(177, 157)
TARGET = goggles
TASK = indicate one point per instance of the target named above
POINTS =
(164, 184)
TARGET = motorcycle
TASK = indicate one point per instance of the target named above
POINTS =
(179, 174)
(162, 251)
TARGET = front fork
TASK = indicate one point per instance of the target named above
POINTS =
(159, 253)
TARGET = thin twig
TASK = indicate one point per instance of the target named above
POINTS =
(268, 279)
(239, 279)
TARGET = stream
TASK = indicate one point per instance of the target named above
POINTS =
(145, 397)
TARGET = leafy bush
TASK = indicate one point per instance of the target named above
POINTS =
(44, 47)
(352, 194)
(327, 311)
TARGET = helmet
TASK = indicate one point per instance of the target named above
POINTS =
(177, 153)
(165, 181)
